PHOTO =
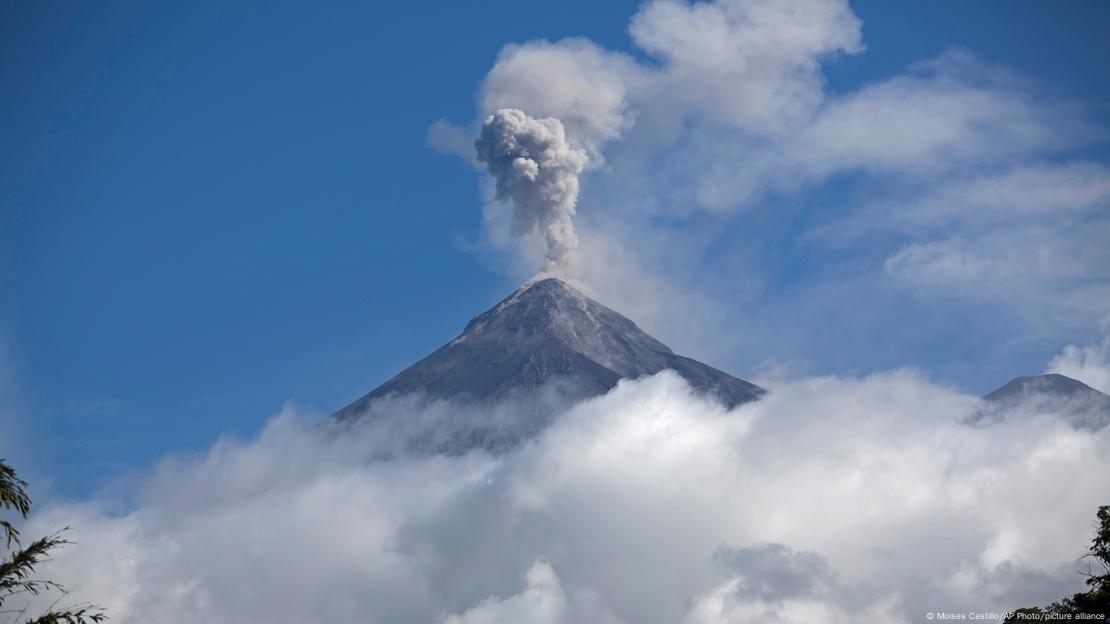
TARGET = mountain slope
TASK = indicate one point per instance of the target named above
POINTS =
(1083, 406)
(547, 334)
(1051, 384)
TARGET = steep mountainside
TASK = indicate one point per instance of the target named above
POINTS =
(548, 334)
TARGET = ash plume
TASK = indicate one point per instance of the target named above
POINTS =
(537, 171)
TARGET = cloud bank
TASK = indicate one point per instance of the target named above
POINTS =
(832, 499)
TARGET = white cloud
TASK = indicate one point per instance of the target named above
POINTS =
(946, 262)
(1061, 192)
(752, 65)
(575, 81)
(543, 601)
(941, 117)
(1089, 364)
(725, 605)
(746, 35)
(719, 122)
(1028, 241)
(735, 103)
(833, 496)
(936, 118)
(447, 138)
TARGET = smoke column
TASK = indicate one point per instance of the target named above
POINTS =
(538, 172)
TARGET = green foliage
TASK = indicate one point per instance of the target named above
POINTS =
(1097, 598)
(12, 496)
(17, 570)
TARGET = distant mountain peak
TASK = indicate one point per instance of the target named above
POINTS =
(548, 333)
(1083, 406)
(1052, 384)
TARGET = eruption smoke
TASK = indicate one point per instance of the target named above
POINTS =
(538, 172)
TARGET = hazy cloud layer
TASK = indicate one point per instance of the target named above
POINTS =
(833, 499)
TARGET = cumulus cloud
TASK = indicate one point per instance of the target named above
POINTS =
(1089, 364)
(537, 171)
(776, 571)
(856, 499)
(724, 606)
(543, 601)
(752, 65)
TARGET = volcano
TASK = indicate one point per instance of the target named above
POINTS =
(1081, 405)
(548, 335)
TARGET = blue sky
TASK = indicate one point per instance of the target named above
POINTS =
(211, 209)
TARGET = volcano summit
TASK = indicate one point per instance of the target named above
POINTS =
(548, 335)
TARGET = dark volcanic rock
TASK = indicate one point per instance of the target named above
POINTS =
(1051, 384)
(1083, 406)
(545, 335)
